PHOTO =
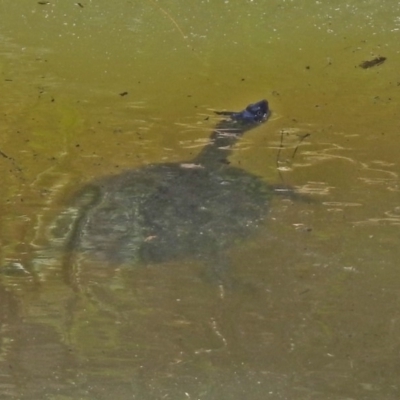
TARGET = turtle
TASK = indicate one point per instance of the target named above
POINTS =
(167, 211)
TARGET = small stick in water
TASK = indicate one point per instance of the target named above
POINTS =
(372, 63)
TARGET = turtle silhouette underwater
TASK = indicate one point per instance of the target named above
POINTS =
(161, 212)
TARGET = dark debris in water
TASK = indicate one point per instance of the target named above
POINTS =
(372, 63)
(11, 159)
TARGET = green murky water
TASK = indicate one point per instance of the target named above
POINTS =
(316, 316)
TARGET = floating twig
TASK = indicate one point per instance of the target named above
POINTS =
(372, 63)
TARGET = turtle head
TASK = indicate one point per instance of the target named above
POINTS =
(229, 130)
(240, 122)
(253, 113)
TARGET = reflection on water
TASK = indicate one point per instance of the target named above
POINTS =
(94, 88)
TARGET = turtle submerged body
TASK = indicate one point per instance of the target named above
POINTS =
(166, 211)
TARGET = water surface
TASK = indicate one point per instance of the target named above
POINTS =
(94, 88)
